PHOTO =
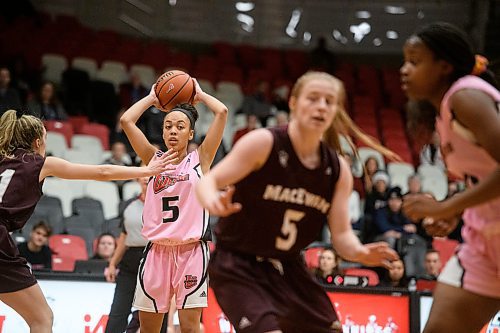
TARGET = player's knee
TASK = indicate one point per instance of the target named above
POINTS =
(191, 326)
(43, 322)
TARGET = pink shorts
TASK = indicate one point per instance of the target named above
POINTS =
(166, 271)
(474, 271)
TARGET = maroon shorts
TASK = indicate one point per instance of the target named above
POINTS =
(258, 295)
(15, 274)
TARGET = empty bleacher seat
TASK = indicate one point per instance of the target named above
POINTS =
(107, 193)
(56, 144)
(53, 67)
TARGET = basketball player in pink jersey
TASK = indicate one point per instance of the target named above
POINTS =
(23, 169)
(175, 260)
(438, 66)
(288, 182)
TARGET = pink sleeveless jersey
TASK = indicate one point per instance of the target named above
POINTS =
(172, 214)
(465, 158)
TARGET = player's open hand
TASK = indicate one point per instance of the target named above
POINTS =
(162, 162)
(379, 254)
(222, 204)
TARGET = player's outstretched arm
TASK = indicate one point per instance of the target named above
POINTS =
(58, 167)
(248, 155)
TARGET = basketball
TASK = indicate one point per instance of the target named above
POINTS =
(174, 87)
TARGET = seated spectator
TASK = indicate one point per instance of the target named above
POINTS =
(329, 266)
(395, 276)
(414, 184)
(106, 245)
(251, 125)
(377, 197)
(131, 91)
(257, 103)
(281, 118)
(36, 251)
(371, 167)
(119, 155)
(46, 105)
(9, 96)
(432, 265)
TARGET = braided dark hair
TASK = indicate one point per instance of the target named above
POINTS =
(452, 45)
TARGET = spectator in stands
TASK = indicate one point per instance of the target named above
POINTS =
(132, 91)
(46, 105)
(414, 184)
(281, 118)
(377, 196)
(395, 276)
(35, 250)
(329, 266)
(9, 97)
(106, 245)
(119, 156)
(432, 265)
(371, 167)
(390, 220)
(257, 103)
(251, 125)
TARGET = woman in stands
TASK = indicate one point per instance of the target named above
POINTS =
(438, 65)
(23, 167)
(288, 184)
(175, 224)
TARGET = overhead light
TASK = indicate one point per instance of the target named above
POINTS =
(396, 10)
(247, 22)
(307, 37)
(391, 34)
(420, 14)
(294, 21)
(377, 41)
(360, 31)
(363, 14)
(244, 6)
(172, 2)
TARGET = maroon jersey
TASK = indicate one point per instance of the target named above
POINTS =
(20, 188)
(285, 205)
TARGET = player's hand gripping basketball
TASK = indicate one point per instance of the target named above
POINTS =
(440, 228)
(154, 100)
(198, 97)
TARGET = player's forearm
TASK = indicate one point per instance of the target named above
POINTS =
(348, 246)
(132, 115)
(486, 190)
(216, 106)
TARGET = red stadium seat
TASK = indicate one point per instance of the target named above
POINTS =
(63, 264)
(446, 248)
(311, 256)
(97, 130)
(426, 285)
(63, 127)
(69, 246)
(77, 122)
(372, 276)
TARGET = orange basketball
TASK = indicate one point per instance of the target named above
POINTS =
(174, 87)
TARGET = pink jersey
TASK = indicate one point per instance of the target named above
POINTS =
(464, 157)
(172, 214)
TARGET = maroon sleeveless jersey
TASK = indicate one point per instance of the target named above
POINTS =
(285, 205)
(20, 188)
